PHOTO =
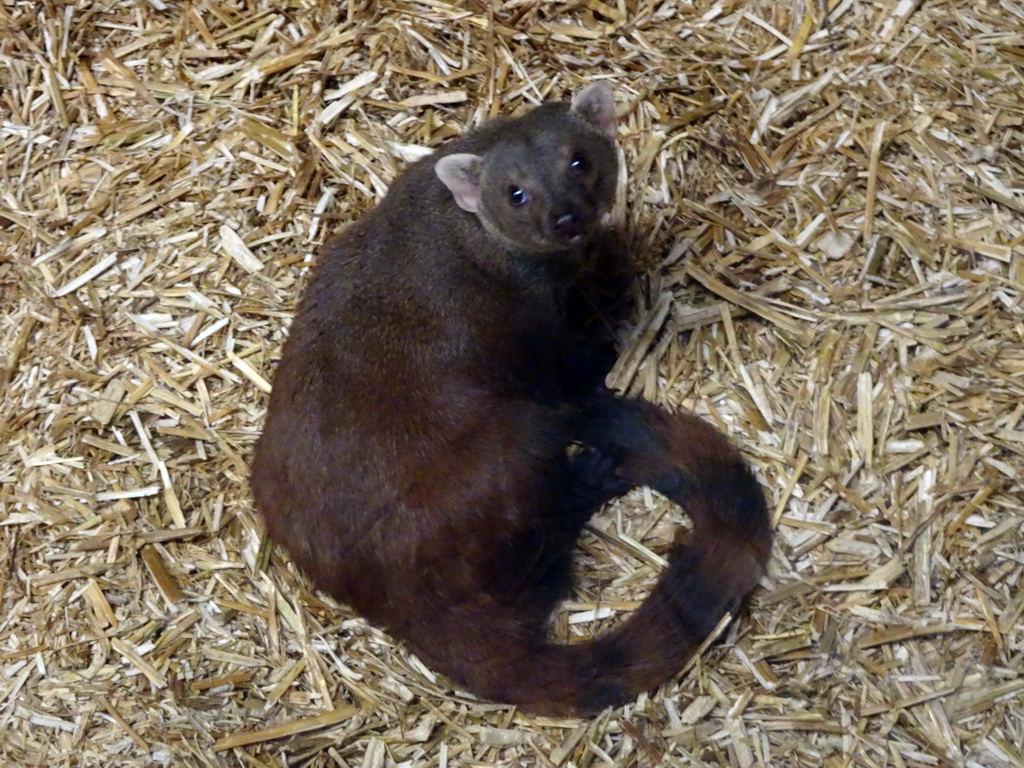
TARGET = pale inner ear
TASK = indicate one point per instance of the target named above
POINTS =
(461, 174)
(596, 105)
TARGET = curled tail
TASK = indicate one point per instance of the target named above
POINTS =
(691, 463)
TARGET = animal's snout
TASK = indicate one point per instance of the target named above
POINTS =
(568, 224)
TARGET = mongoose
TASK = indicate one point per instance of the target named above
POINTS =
(439, 432)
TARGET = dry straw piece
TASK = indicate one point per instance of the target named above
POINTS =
(827, 204)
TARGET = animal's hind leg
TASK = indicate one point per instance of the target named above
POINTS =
(546, 550)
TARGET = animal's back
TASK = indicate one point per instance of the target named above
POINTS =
(394, 432)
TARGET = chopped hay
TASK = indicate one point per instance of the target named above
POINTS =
(827, 200)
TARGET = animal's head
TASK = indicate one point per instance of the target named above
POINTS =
(544, 182)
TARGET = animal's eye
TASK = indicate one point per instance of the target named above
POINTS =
(516, 196)
(578, 163)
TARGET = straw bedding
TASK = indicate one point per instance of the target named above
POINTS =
(826, 202)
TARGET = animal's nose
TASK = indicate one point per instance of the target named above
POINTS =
(568, 224)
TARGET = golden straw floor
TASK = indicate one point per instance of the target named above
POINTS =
(827, 201)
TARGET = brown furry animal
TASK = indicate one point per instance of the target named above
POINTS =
(416, 462)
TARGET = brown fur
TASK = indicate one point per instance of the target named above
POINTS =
(415, 458)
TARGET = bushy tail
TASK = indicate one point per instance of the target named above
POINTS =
(690, 462)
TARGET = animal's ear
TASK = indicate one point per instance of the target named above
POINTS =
(461, 174)
(596, 105)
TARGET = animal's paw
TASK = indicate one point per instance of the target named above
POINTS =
(598, 469)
